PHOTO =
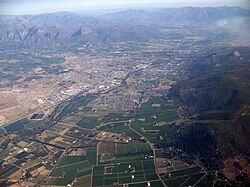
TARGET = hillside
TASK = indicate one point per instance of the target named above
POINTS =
(215, 101)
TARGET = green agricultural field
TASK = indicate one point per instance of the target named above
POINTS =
(125, 179)
(110, 179)
(120, 149)
(92, 155)
(139, 176)
(66, 173)
(152, 176)
(77, 132)
(161, 115)
(148, 107)
(127, 159)
(118, 128)
(176, 182)
(98, 170)
(116, 117)
(98, 180)
(158, 153)
(122, 167)
(83, 181)
(184, 177)
(142, 147)
(150, 117)
(193, 179)
(153, 133)
(120, 174)
(148, 164)
(152, 184)
(132, 148)
(60, 181)
(89, 122)
(67, 160)
(187, 171)
(68, 170)
(58, 128)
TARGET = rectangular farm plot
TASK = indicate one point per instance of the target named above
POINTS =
(123, 178)
(176, 181)
(47, 136)
(120, 149)
(72, 119)
(60, 181)
(92, 155)
(142, 147)
(17, 126)
(148, 164)
(98, 170)
(77, 132)
(62, 141)
(98, 180)
(83, 181)
(71, 160)
(110, 179)
(152, 184)
(106, 148)
(193, 179)
(34, 116)
(22, 155)
(151, 176)
(8, 170)
(42, 151)
(184, 177)
(139, 176)
(89, 122)
(38, 116)
(187, 171)
(132, 148)
(69, 171)
(58, 128)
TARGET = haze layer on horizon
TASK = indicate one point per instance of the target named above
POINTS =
(21, 7)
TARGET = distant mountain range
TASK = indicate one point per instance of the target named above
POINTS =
(178, 15)
(129, 25)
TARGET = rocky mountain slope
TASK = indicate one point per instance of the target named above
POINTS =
(130, 25)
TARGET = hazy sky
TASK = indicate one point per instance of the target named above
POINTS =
(42, 6)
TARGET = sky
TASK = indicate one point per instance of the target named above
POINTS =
(20, 7)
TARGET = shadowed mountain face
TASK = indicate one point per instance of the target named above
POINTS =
(116, 27)
(218, 83)
(215, 100)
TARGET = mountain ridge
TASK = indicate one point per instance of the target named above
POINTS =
(119, 26)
